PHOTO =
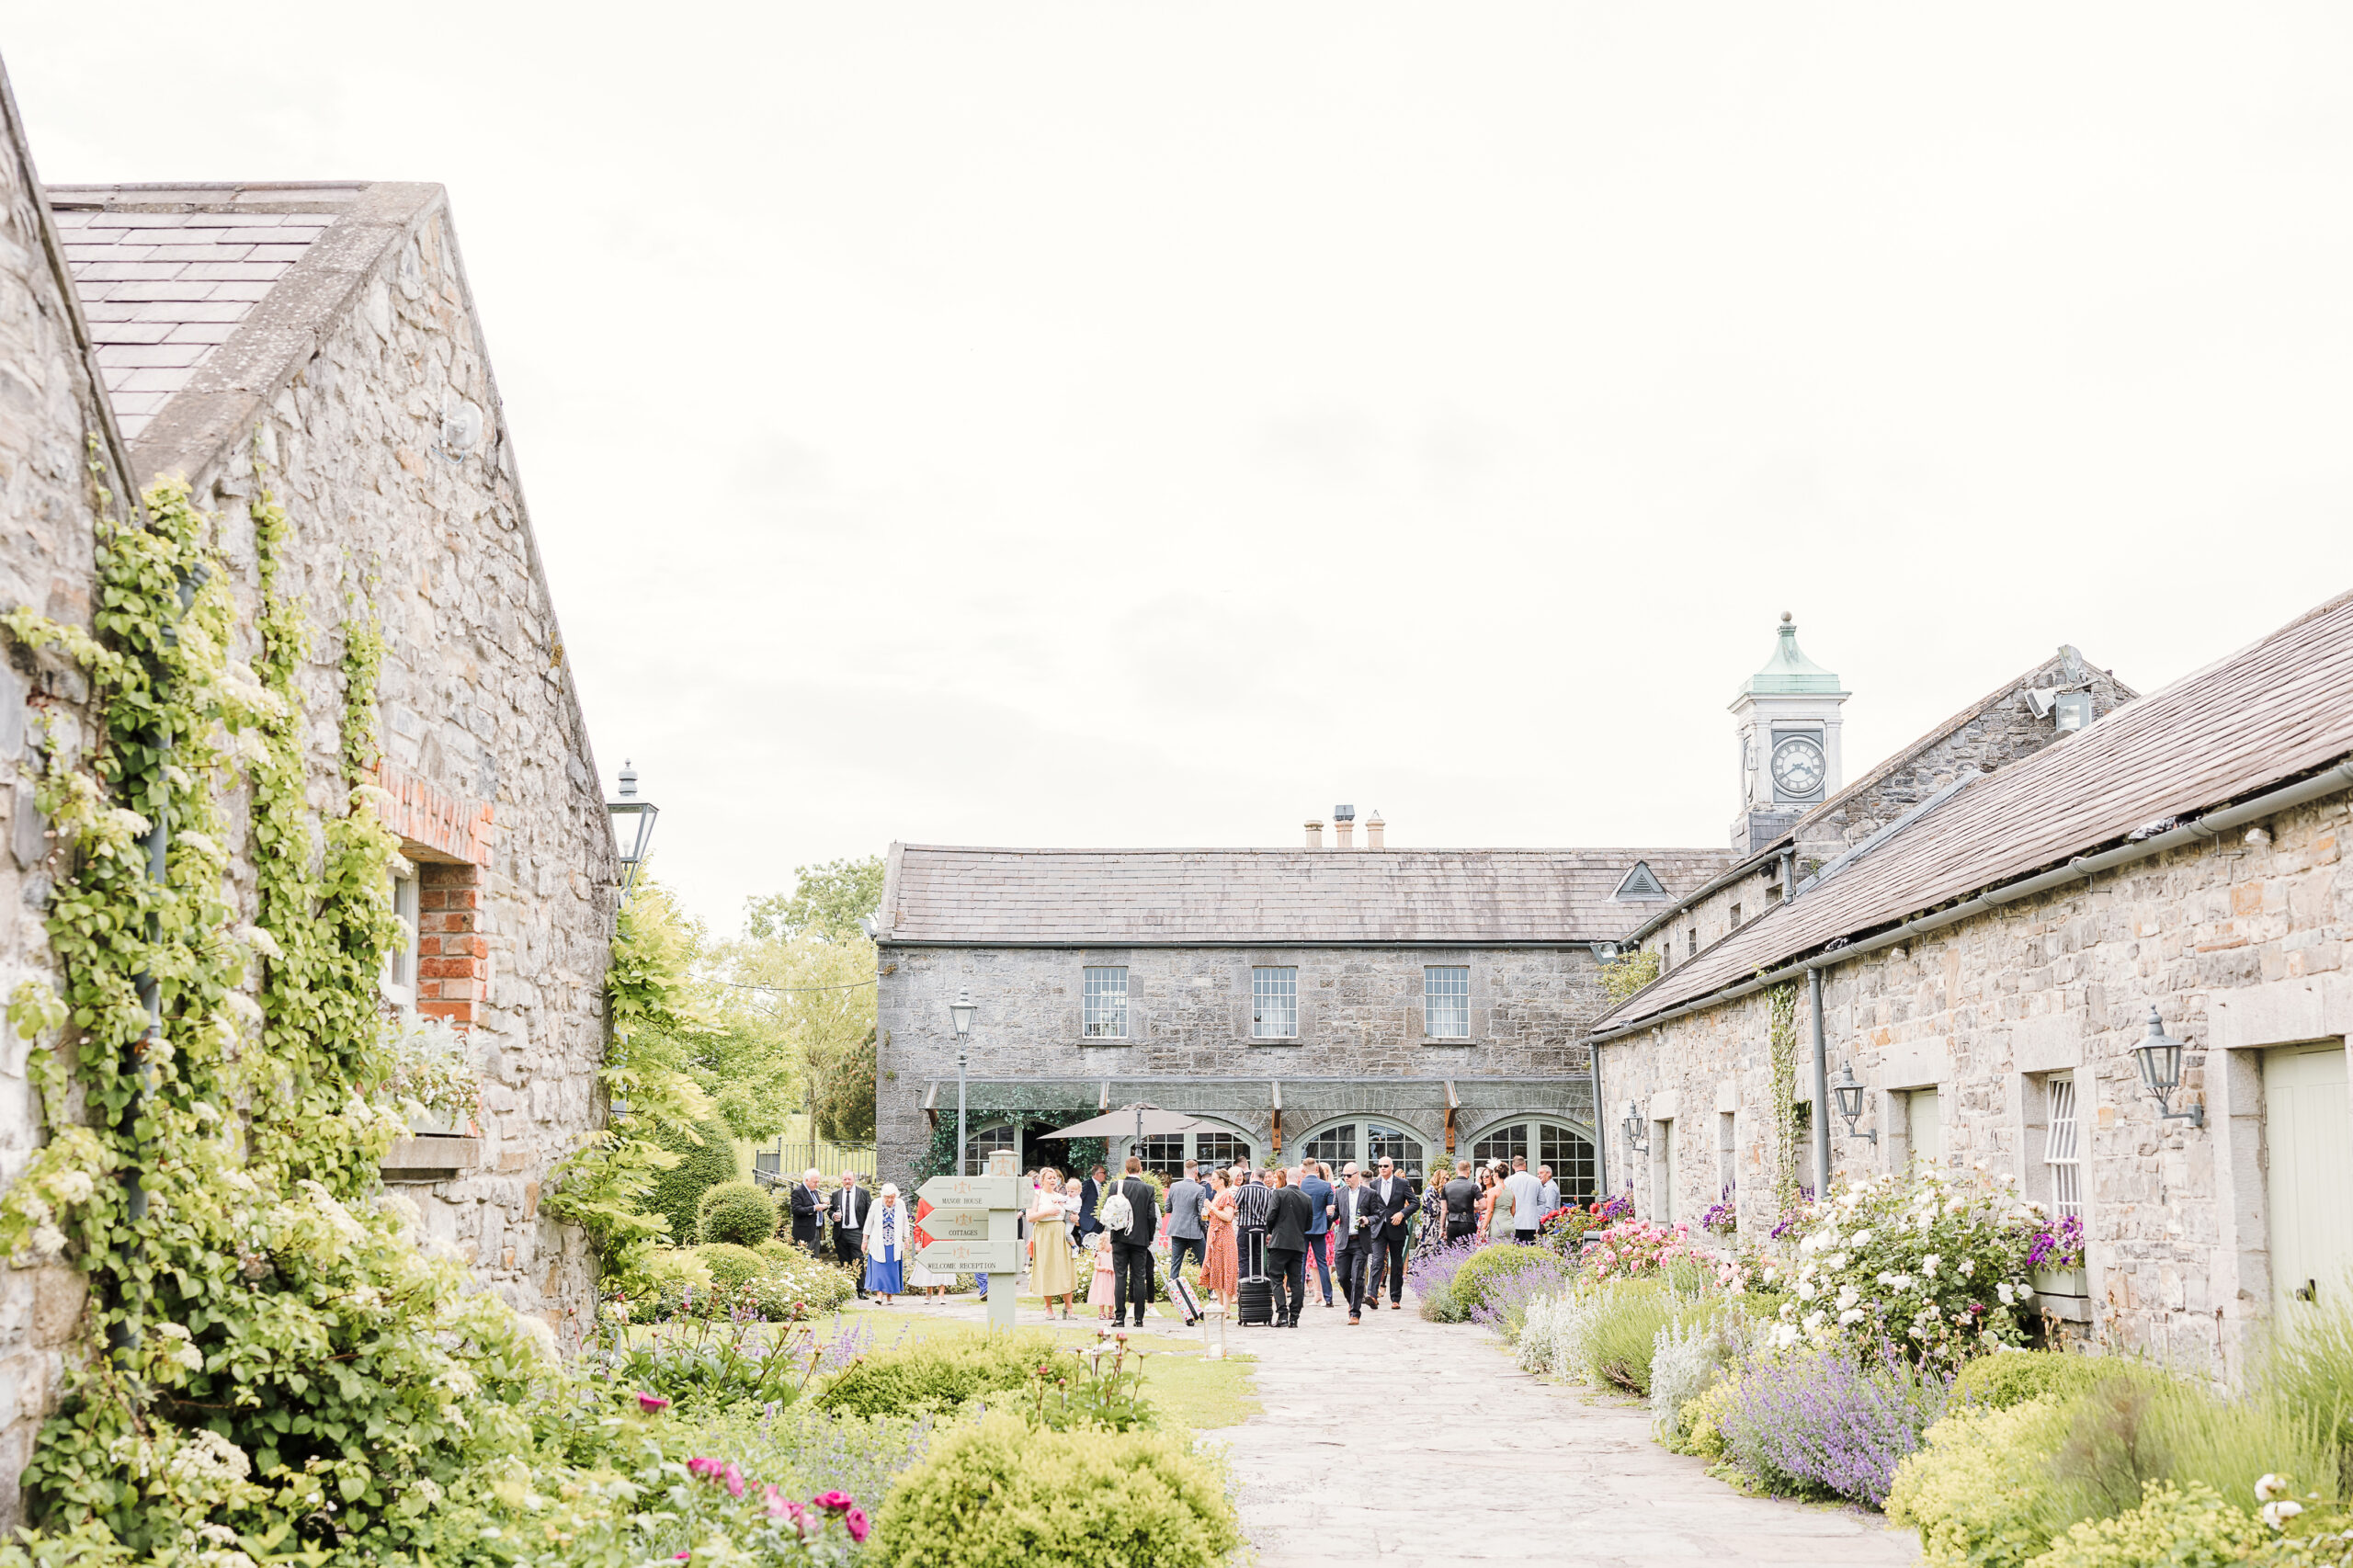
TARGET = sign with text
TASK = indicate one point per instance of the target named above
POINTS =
(969, 1192)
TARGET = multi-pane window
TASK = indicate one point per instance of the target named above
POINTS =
(2061, 1146)
(1367, 1144)
(1163, 1154)
(1216, 1150)
(1106, 1002)
(1335, 1147)
(1274, 1002)
(1446, 1000)
(981, 1145)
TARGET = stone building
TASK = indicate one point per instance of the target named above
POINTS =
(327, 331)
(1990, 970)
(1344, 1002)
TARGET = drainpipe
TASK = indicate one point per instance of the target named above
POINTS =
(1820, 1088)
(1601, 1139)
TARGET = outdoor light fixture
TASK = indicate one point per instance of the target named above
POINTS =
(961, 1010)
(1849, 1094)
(632, 822)
(2159, 1058)
(1637, 1131)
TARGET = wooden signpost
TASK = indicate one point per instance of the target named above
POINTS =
(971, 1225)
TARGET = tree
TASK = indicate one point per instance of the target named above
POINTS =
(701, 1165)
(825, 902)
(814, 997)
(843, 1082)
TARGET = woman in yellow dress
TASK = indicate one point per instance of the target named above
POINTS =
(1052, 1271)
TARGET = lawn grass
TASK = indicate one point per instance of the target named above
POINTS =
(1188, 1388)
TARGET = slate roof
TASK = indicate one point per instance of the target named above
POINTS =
(168, 272)
(950, 896)
(2267, 714)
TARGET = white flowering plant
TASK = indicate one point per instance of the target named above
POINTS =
(1934, 1265)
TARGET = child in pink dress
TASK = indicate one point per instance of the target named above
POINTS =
(1103, 1291)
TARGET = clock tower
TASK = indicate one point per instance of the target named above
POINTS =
(1786, 714)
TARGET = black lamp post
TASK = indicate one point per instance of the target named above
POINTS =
(2159, 1058)
(632, 822)
(1848, 1092)
(959, 1013)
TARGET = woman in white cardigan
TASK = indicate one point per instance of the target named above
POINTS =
(886, 1246)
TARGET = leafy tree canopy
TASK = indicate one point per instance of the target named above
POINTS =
(825, 902)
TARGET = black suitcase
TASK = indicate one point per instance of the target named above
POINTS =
(1256, 1300)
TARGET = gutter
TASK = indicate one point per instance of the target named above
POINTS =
(2213, 824)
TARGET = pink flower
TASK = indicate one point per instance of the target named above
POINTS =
(703, 1467)
(833, 1502)
(650, 1402)
(855, 1520)
(734, 1481)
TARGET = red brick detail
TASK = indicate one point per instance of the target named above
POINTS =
(452, 957)
(448, 824)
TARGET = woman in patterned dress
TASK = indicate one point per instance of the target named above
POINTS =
(1222, 1265)
(886, 1246)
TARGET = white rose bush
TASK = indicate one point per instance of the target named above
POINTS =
(1932, 1266)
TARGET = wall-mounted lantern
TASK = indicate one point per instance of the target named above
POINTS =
(1638, 1128)
(632, 828)
(2159, 1058)
(1848, 1091)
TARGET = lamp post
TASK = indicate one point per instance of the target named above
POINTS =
(2159, 1058)
(1848, 1091)
(959, 1013)
(632, 820)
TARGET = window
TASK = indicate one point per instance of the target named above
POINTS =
(1735, 918)
(2060, 1147)
(1565, 1149)
(1107, 1003)
(1367, 1142)
(1446, 1000)
(1727, 1155)
(1165, 1155)
(1274, 1002)
(986, 1142)
(399, 980)
(1691, 944)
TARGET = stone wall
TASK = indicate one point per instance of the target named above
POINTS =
(49, 414)
(1361, 1023)
(395, 509)
(2239, 945)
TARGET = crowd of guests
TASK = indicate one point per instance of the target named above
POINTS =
(1087, 1236)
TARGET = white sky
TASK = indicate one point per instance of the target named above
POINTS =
(1152, 424)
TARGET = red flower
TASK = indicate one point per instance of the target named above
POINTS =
(833, 1502)
(650, 1402)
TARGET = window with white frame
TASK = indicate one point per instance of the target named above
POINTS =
(2061, 1146)
(1274, 1002)
(399, 978)
(1446, 1000)
(1106, 1002)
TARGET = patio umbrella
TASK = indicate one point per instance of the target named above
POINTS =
(1140, 1121)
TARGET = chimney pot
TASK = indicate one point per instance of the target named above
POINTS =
(1342, 831)
(1314, 834)
(1373, 826)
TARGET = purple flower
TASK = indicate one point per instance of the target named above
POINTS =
(1838, 1420)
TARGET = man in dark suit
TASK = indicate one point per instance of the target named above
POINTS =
(1395, 1195)
(847, 1213)
(808, 1202)
(1132, 1247)
(1356, 1219)
(1090, 1198)
(1288, 1218)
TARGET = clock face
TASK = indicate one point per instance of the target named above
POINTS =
(1799, 768)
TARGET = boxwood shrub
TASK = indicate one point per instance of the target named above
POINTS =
(1000, 1491)
(738, 1212)
(936, 1375)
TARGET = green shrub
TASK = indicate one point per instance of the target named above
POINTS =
(732, 1267)
(701, 1167)
(1622, 1333)
(737, 1211)
(1979, 1490)
(1003, 1492)
(671, 1269)
(782, 1252)
(1473, 1282)
(2128, 1431)
(2310, 1370)
(2012, 1378)
(936, 1374)
(1702, 1435)
(2173, 1527)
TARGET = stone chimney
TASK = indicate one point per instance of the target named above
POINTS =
(1314, 834)
(1344, 826)
(1373, 828)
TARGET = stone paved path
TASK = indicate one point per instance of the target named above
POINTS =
(1420, 1445)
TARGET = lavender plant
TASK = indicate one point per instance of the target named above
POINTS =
(1835, 1420)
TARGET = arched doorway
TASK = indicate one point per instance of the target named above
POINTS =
(1367, 1140)
(1542, 1140)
